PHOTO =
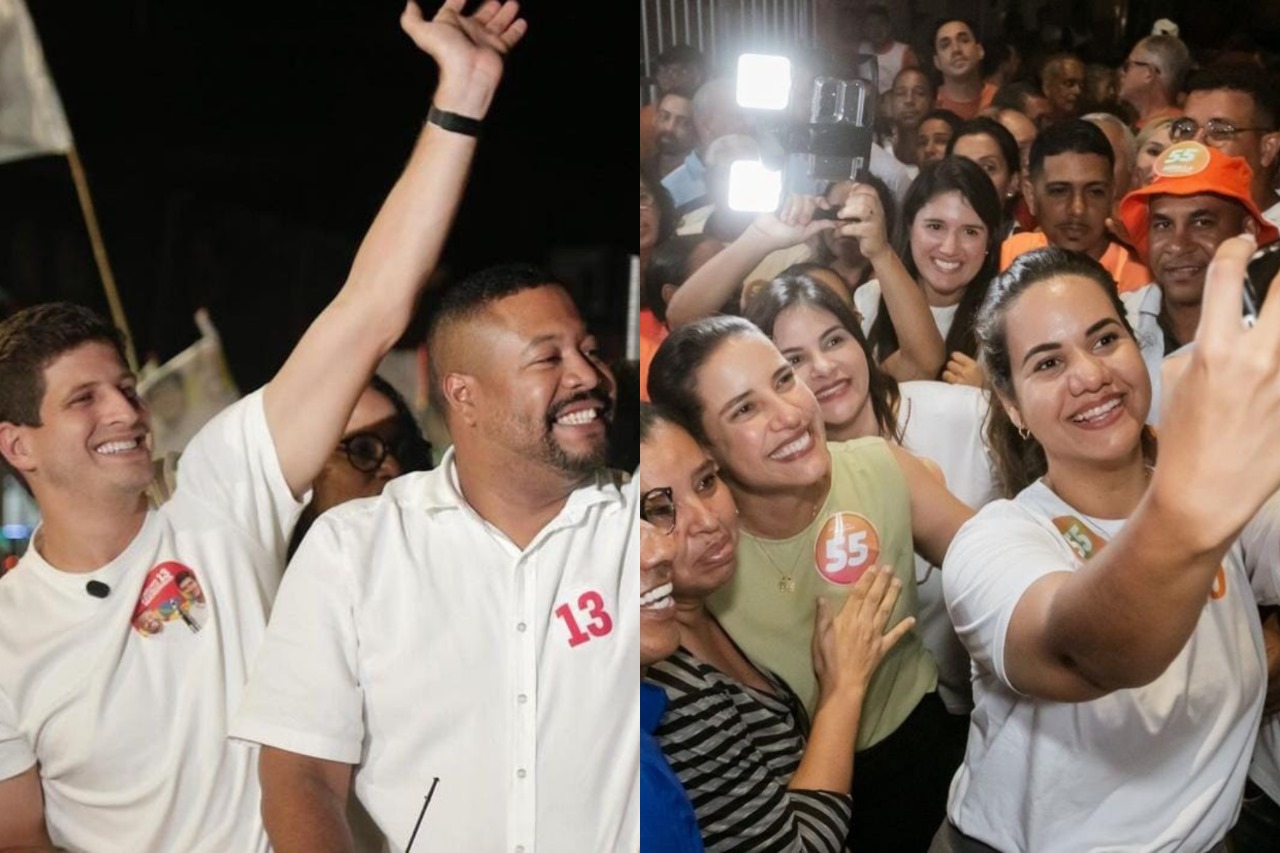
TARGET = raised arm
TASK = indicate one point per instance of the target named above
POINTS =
(936, 514)
(304, 802)
(714, 282)
(1126, 614)
(309, 400)
(22, 828)
(920, 353)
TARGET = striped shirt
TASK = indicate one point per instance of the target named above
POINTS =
(734, 749)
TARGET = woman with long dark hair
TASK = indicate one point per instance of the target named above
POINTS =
(941, 423)
(813, 518)
(1110, 604)
(948, 239)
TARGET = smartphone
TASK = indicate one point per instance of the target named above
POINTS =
(1262, 268)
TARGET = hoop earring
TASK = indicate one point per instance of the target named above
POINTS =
(1024, 433)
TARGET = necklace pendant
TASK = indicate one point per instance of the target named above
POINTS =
(786, 584)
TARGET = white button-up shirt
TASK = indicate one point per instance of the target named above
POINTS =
(415, 640)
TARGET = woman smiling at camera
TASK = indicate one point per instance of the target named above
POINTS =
(813, 519)
(1111, 607)
(734, 731)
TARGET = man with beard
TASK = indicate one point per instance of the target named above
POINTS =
(1199, 197)
(467, 640)
(673, 125)
(1069, 188)
(958, 55)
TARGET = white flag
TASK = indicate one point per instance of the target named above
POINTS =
(31, 118)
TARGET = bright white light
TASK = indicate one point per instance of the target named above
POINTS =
(764, 82)
(753, 188)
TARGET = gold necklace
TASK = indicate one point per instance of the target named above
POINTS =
(786, 580)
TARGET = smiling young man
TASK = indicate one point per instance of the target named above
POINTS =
(1069, 190)
(114, 698)
(475, 624)
(1198, 199)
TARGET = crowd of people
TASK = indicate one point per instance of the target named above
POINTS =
(958, 481)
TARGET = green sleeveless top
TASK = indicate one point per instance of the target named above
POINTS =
(769, 606)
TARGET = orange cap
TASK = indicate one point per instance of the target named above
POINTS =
(1190, 168)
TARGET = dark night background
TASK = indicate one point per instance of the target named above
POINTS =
(238, 151)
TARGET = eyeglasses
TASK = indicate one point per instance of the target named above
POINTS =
(658, 507)
(1129, 63)
(1216, 131)
(367, 450)
(646, 200)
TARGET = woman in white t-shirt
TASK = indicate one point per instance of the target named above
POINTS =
(948, 240)
(819, 335)
(1110, 606)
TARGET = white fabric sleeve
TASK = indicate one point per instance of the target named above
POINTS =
(992, 561)
(304, 695)
(867, 300)
(1260, 544)
(16, 754)
(231, 466)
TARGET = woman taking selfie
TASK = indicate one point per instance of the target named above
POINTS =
(1111, 616)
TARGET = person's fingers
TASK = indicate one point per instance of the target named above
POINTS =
(887, 596)
(411, 17)
(503, 17)
(514, 33)
(897, 632)
(486, 13)
(1224, 291)
(948, 376)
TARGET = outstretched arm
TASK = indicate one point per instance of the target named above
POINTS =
(309, 400)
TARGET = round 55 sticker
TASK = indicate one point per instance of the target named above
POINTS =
(847, 546)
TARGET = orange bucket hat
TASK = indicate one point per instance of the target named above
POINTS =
(1190, 168)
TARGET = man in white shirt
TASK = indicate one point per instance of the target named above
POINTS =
(115, 689)
(461, 650)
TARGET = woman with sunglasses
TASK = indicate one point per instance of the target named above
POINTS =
(382, 440)
(758, 775)
(819, 335)
(813, 518)
(1110, 605)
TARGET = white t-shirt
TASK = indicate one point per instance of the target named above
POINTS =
(415, 640)
(1142, 308)
(944, 423)
(1159, 767)
(888, 64)
(867, 300)
(1264, 770)
(125, 700)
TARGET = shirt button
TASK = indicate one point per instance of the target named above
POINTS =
(520, 773)
(522, 698)
(520, 626)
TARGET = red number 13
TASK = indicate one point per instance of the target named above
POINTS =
(592, 605)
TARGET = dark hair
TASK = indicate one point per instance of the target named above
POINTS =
(650, 417)
(679, 54)
(951, 174)
(799, 289)
(183, 575)
(1019, 462)
(939, 23)
(31, 340)
(669, 264)
(470, 297)
(1239, 77)
(1073, 136)
(1013, 96)
(662, 197)
(983, 126)
(413, 451)
(876, 10)
(674, 369)
(953, 121)
(822, 253)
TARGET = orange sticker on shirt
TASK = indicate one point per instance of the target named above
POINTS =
(847, 546)
(1181, 160)
(1086, 543)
